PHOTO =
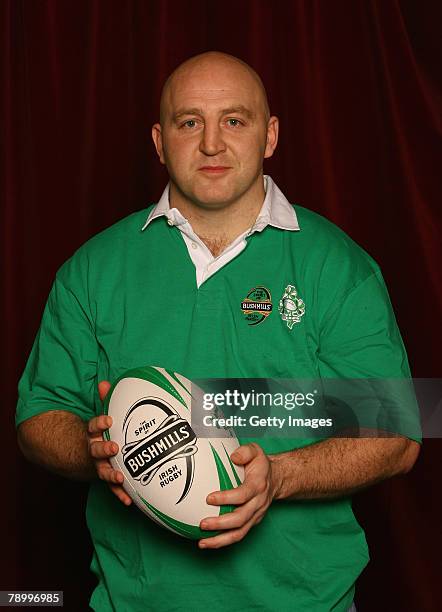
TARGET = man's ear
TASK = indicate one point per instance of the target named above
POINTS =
(272, 136)
(157, 138)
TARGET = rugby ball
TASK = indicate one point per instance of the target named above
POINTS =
(168, 470)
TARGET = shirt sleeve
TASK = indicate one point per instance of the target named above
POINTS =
(360, 337)
(360, 344)
(61, 372)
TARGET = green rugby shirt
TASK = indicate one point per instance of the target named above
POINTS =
(129, 298)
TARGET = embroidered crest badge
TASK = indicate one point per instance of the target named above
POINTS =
(291, 307)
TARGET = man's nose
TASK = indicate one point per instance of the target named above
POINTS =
(212, 141)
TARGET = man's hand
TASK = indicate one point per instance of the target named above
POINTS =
(100, 450)
(252, 498)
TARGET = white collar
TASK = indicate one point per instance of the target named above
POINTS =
(276, 210)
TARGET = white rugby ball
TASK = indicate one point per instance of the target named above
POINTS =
(168, 470)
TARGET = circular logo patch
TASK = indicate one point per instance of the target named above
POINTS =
(257, 305)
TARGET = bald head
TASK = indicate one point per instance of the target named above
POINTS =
(213, 71)
(214, 135)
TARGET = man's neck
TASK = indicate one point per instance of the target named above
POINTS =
(218, 227)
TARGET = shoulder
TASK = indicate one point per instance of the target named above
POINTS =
(320, 233)
(117, 235)
(328, 248)
(106, 249)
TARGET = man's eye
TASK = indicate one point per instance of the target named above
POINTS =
(233, 122)
(190, 123)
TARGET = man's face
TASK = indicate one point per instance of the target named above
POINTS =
(214, 133)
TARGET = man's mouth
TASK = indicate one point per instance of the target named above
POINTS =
(214, 169)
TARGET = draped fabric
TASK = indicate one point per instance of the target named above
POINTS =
(356, 86)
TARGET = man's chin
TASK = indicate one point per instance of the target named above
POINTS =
(214, 199)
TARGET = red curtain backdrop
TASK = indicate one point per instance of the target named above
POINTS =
(357, 88)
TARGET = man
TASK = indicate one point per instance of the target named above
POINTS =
(165, 287)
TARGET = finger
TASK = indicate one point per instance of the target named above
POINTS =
(245, 453)
(103, 388)
(232, 520)
(228, 537)
(121, 494)
(99, 424)
(107, 473)
(103, 450)
(239, 495)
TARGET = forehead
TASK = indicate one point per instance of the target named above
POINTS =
(210, 86)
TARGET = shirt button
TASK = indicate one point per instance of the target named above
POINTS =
(169, 222)
(194, 245)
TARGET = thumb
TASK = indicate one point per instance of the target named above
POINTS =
(245, 453)
(103, 388)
